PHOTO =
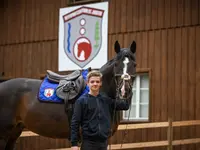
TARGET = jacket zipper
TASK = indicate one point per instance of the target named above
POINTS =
(98, 115)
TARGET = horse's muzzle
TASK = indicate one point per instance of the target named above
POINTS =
(124, 84)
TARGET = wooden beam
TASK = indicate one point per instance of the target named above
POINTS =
(147, 144)
(28, 133)
(138, 126)
(186, 141)
(185, 123)
(143, 125)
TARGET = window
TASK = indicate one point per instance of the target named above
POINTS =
(139, 110)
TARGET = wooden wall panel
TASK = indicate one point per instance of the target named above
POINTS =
(154, 14)
(129, 16)
(148, 15)
(173, 6)
(194, 11)
(123, 16)
(184, 77)
(161, 13)
(141, 17)
(191, 80)
(135, 17)
(180, 12)
(177, 82)
(111, 20)
(197, 81)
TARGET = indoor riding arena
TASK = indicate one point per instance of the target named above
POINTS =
(165, 107)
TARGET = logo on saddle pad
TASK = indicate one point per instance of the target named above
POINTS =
(83, 34)
(48, 92)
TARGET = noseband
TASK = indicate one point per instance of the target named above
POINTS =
(120, 80)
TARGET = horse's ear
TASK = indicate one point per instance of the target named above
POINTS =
(133, 47)
(117, 47)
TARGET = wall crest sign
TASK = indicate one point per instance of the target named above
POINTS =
(83, 37)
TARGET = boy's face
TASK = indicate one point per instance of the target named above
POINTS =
(94, 83)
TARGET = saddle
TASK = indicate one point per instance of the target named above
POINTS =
(70, 85)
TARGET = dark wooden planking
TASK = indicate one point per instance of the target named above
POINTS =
(54, 47)
(110, 46)
(194, 13)
(112, 53)
(31, 20)
(55, 20)
(197, 81)
(135, 15)
(184, 81)
(117, 15)
(129, 15)
(187, 12)
(180, 12)
(29, 62)
(164, 81)
(161, 13)
(123, 16)
(36, 61)
(144, 48)
(198, 12)
(126, 41)
(157, 82)
(167, 14)
(173, 13)
(151, 54)
(191, 80)
(170, 65)
(17, 58)
(177, 82)
(148, 15)
(141, 17)
(139, 49)
(111, 14)
(154, 14)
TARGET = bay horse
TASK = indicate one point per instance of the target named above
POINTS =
(20, 107)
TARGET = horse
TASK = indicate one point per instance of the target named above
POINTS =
(20, 107)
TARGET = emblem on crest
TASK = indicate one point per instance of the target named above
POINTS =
(83, 34)
(48, 92)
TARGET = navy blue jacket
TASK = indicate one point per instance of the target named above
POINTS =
(93, 114)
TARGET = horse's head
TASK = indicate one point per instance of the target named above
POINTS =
(125, 68)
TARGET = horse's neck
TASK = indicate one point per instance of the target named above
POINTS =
(108, 83)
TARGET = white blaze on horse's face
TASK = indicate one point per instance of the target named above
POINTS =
(125, 75)
(126, 61)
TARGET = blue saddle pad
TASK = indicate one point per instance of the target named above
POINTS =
(47, 90)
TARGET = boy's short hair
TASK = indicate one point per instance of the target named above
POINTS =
(94, 73)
